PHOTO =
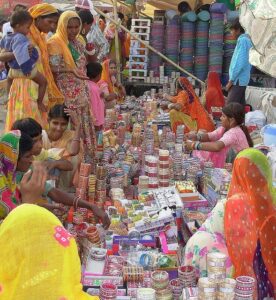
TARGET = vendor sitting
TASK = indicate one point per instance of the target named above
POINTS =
(187, 110)
(232, 135)
(53, 161)
(241, 226)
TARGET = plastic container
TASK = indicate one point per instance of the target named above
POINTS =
(268, 133)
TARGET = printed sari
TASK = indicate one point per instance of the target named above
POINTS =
(39, 258)
(75, 90)
(9, 194)
(250, 221)
(24, 92)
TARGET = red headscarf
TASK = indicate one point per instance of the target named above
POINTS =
(214, 95)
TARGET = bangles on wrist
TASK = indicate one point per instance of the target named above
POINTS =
(197, 146)
(199, 136)
(75, 202)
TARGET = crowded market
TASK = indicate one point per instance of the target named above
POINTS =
(138, 150)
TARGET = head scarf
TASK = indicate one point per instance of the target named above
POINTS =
(106, 75)
(187, 86)
(44, 9)
(214, 95)
(249, 205)
(38, 257)
(193, 107)
(59, 43)
(9, 152)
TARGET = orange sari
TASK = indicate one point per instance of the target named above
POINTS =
(250, 219)
(214, 96)
(106, 78)
(191, 107)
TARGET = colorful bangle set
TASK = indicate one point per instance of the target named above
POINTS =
(196, 146)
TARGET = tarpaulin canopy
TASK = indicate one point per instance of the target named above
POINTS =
(258, 17)
(6, 6)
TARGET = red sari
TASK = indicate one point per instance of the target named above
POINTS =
(214, 95)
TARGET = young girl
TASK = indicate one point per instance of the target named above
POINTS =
(109, 86)
(26, 56)
(94, 73)
(232, 135)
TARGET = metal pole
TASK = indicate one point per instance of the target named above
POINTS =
(150, 47)
(117, 47)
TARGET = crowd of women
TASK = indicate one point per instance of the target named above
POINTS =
(50, 140)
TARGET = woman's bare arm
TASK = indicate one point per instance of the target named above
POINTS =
(6, 56)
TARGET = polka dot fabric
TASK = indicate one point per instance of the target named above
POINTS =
(249, 205)
(264, 284)
(268, 245)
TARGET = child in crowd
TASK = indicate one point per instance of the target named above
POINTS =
(26, 56)
(232, 135)
(94, 73)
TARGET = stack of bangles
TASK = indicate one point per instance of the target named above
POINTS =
(197, 146)
(146, 260)
(75, 202)
(199, 136)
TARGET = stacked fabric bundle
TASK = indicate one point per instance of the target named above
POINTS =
(157, 39)
(188, 27)
(172, 43)
(216, 37)
(229, 47)
(201, 45)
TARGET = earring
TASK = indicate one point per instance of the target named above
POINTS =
(83, 31)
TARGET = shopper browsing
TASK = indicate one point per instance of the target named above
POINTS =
(25, 55)
(240, 68)
(232, 135)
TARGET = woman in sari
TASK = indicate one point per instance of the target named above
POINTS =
(19, 185)
(250, 221)
(243, 226)
(24, 92)
(109, 86)
(214, 96)
(65, 142)
(16, 155)
(39, 258)
(187, 110)
(68, 63)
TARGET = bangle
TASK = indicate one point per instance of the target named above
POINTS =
(75, 202)
(199, 146)
(76, 140)
(195, 145)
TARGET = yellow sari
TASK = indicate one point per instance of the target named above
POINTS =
(24, 92)
(39, 258)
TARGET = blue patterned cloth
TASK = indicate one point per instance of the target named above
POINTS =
(240, 68)
(18, 44)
